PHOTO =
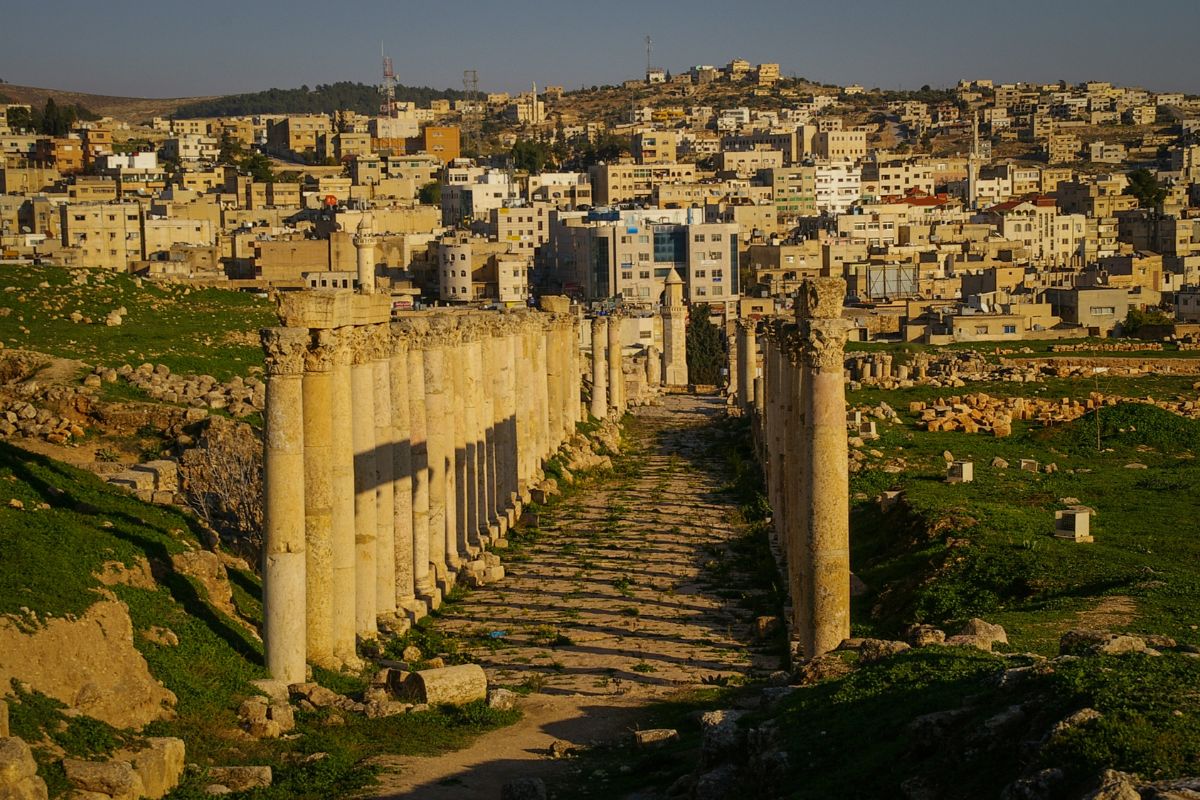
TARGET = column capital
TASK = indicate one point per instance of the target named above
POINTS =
(323, 350)
(285, 349)
(363, 344)
(823, 342)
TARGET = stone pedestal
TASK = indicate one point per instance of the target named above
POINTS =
(283, 569)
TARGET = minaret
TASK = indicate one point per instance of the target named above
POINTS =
(674, 316)
(364, 244)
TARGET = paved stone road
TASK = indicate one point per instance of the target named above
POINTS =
(626, 597)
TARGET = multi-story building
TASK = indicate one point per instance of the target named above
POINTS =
(837, 187)
(794, 190)
(626, 183)
(841, 145)
(103, 235)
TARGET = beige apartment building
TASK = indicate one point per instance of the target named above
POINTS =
(841, 145)
(627, 183)
(102, 235)
(655, 147)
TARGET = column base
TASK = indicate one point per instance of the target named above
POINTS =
(431, 598)
(445, 583)
(414, 608)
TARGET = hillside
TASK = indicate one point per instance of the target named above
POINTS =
(132, 109)
(322, 99)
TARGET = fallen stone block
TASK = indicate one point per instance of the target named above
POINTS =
(240, 779)
(655, 737)
(454, 686)
(117, 779)
(159, 765)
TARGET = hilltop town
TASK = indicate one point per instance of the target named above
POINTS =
(982, 213)
(721, 432)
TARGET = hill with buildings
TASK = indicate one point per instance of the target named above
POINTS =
(321, 99)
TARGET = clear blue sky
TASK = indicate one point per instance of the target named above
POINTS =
(174, 48)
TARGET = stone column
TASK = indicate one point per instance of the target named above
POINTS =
(318, 497)
(551, 336)
(475, 411)
(490, 356)
(385, 488)
(616, 374)
(574, 374)
(283, 568)
(440, 442)
(599, 368)
(507, 460)
(674, 317)
(457, 507)
(366, 481)
(747, 364)
(342, 467)
(402, 474)
(541, 381)
(826, 503)
(423, 581)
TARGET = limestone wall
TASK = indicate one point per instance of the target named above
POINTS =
(397, 451)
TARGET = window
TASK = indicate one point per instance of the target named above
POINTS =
(716, 237)
(626, 276)
(699, 237)
(1103, 311)
(1010, 328)
(643, 256)
(644, 274)
(981, 329)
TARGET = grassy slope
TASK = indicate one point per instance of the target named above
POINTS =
(46, 560)
(983, 549)
(210, 331)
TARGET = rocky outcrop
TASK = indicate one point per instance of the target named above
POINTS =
(89, 663)
(18, 772)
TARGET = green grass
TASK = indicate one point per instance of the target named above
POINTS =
(205, 331)
(47, 561)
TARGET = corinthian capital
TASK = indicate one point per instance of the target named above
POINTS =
(285, 349)
(322, 351)
(820, 298)
(823, 343)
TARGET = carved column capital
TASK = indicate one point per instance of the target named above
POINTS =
(823, 342)
(322, 350)
(285, 350)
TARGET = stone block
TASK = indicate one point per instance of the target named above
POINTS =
(159, 765)
(457, 685)
(117, 779)
(241, 779)
(655, 737)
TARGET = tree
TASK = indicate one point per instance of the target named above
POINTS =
(431, 194)
(20, 119)
(1144, 185)
(705, 347)
(530, 156)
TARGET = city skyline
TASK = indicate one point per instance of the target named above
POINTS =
(869, 42)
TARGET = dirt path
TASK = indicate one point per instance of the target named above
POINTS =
(627, 597)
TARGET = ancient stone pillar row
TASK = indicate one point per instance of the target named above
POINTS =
(283, 567)
(318, 497)
(402, 473)
(747, 364)
(423, 582)
(341, 414)
(439, 390)
(599, 406)
(366, 480)
(385, 465)
(616, 374)
(825, 505)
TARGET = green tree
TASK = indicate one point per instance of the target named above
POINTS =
(705, 347)
(231, 151)
(530, 156)
(431, 194)
(1144, 185)
(258, 167)
(20, 119)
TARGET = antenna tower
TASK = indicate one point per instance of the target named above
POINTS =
(388, 87)
(649, 51)
(471, 113)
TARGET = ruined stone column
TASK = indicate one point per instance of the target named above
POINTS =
(318, 497)
(440, 443)
(474, 412)
(423, 580)
(490, 356)
(283, 568)
(366, 480)
(457, 506)
(342, 467)
(747, 355)
(385, 489)
(674, 318)
(508, 464)
(402, 474)
(826, 504)
(599, 368)
(541, 381)
(574, 374)
(616, 374)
